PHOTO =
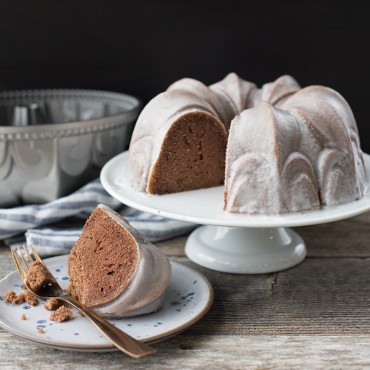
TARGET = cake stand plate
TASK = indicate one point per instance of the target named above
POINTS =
(232, 243)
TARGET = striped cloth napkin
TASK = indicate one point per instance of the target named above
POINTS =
(52, 228)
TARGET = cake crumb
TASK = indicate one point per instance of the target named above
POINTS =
(24, 317)
(52, 304)
(41, 330)
(21, 298)
(38, 276)
(26, 296)
(13, 298)
(30, 298)
(61, 314)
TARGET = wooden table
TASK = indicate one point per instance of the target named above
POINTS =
(315, 315)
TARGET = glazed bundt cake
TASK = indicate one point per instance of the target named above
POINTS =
(289, 149)
(113, 270)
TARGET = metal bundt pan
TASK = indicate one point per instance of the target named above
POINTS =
(54, 141)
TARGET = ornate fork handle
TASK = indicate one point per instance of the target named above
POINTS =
(121, 340)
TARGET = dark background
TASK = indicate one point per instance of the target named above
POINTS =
(140, 47)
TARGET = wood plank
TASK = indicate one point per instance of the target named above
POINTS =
(173, 247)
(320, 296)
(346, 238)
(202, 352)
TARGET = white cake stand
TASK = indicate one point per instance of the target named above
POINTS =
(233, 243)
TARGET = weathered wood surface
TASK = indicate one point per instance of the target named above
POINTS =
(316, 315)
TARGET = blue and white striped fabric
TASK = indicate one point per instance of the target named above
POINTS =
(53, 228)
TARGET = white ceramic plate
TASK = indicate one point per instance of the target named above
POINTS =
(205, 206)
(188, 297)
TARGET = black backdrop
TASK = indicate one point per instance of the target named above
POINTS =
(140, 47)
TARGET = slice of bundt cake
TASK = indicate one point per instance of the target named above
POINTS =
(113, 270)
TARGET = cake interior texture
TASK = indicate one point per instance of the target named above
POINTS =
(192, 156)
(98, 270)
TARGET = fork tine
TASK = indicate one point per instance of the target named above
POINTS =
(28, 254)
(19, 265)
(38, 258)
(24, 258)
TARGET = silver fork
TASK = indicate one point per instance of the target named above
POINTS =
(121, 340)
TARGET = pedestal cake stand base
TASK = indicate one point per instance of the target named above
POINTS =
(245, 250)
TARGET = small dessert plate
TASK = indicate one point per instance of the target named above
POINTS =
(188, 297)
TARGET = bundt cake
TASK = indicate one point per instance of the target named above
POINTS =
(113, 270)
(289, 149)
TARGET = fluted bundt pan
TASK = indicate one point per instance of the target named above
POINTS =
(53, 141)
